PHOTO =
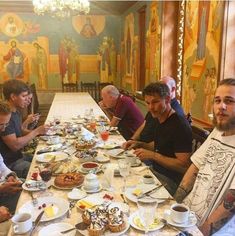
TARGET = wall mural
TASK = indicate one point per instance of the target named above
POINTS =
(45, 51)
(89, 26)
(153, 44)
(202, 43)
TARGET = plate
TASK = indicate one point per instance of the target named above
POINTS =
(92, 191)
(67, 188)
(86, 172)
(137, 163)
(159, 193)
(107, 232)
(34, 183)
(55, 229)
(76, 194)
(47, 157)
(102, 158)
(135, 222)
(192, 220)
(108, 146)
(62, 206)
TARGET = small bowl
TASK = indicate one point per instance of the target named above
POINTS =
(88, 166)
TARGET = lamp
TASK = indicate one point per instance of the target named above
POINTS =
(61, 8)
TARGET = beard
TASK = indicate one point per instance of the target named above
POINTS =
(228, 125)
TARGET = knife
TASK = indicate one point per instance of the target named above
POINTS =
(37, 221)
(150, 191)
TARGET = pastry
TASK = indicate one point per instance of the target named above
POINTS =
(83, 144)
(116, 220)
(69, 180)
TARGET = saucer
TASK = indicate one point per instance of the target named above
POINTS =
(55, 229)
(92, 191)
(192, 220)
(76, 195)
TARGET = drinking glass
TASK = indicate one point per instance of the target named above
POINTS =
(45, 174)
(147, 210)
(124, 169)
(104, 134)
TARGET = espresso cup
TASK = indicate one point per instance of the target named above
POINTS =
(179, 213)
(148, 179)
(22, 223)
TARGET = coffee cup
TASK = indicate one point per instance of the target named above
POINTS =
(22, 223)
(179, 213)
(148, 179)
(132, 160)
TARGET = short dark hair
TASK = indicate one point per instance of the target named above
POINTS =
(14, 86)
(158, 88)
(228, 81)
(4, 108)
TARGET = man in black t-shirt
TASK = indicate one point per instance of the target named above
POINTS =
(146, 131)
(172, 145)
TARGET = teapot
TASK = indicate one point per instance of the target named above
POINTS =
(91, 182)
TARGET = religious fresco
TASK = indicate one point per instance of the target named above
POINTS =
(88, 26)
(46, 51)
(202, 44)
(108, 60)
(153, 44)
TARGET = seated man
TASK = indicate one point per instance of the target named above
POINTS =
(208, 186)
(172, 144)
(14, 138)
(121, 111)
(145, 132)
(10, 186)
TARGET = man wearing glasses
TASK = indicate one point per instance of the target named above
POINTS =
(208, 187)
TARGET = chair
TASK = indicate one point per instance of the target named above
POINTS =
(199, 136)
(128, 94)
(33, 107)
(100, 86)
(91, 88)
(1, 92)
(70, 87)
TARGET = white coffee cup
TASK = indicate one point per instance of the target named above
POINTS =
(22, 223)
(148, 179)
(179, 213)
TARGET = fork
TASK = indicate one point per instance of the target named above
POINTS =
(71, 206)
(34, 199)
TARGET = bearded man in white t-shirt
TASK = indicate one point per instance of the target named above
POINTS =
(208, 187)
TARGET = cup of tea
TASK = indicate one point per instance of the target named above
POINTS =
(22, 223)
(179, 213)
(148, 179)
(46, 174)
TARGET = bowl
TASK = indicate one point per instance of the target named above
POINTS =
(89, 166)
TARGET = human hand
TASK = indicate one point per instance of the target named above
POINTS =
(144, 154)
(129, 144)
(12, 179)
(102, 105)
(4, 214)
(10, 187)
(42, 129)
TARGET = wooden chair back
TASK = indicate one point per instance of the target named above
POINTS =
(70, 87)
(91, 88)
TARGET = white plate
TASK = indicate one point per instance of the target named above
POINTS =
(159, 193)
(108, 146)
(135, 216)
(137, 163)
(115, 153)
(55, 229)
(92, 191)
(192, 220)
(107, 232)
(32, 189)
(102, 158)
(77, 195)
(62, 204)
(46, 157)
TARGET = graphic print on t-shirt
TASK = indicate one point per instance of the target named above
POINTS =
(219, 161)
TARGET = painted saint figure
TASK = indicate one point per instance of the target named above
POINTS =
(15, 58)
(88, 29)
(41, 65)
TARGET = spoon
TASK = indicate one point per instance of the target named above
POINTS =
(166, 223)
(80, 226)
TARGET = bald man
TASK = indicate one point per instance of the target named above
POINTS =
(121, 110)
(145, 133)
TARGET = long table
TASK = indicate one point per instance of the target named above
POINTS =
(66, 106)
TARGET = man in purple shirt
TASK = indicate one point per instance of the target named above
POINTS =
(121, 111)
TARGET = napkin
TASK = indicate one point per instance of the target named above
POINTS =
(136, 170)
